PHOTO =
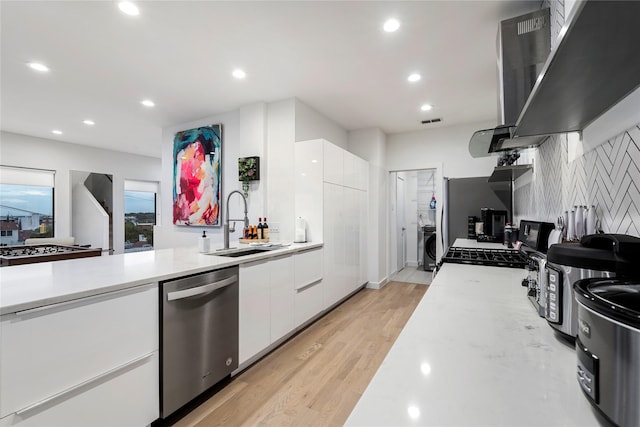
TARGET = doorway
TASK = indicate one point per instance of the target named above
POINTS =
(92, 209)
(414, 209)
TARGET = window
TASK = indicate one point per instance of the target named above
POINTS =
(140, 200)
(26, 204)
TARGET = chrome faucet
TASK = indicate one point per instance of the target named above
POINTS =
(226, 221)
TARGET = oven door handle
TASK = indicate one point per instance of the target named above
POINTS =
(201, 290)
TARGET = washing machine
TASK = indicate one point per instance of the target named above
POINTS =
(429, 251)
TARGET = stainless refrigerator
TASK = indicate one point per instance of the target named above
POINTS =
(465, 197)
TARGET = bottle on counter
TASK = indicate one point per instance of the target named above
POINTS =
(259, 229)
(265, 229)
(204, 243)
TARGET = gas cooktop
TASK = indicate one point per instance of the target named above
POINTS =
(491, 257)
(14, 255)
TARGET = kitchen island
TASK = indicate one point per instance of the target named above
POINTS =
(23, 287)
(80, 338)
(475, 352)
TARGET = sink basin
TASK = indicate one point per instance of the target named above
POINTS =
(239, 252)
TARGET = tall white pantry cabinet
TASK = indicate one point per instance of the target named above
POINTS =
(331, 187)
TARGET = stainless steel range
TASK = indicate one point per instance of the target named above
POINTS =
(492, 257)
(16, 255)
(536, 281)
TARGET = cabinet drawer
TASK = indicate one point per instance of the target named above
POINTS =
(307, 268)
(309, 301)
(129, 397)
(52, 349)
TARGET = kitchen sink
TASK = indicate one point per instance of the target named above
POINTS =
(240, 252)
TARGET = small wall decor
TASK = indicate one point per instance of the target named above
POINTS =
(197, 161)
(248, 170)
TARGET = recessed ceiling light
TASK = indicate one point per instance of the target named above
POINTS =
(414, 77)
(148, 103)
(391, 25)
(57, 132)
(239, 74)
(38, 67)
(129, 8)
(426, 107)
(89, 122)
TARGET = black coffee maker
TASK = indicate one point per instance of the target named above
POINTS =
(493, 222)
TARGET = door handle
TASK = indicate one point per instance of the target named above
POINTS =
(200, 290)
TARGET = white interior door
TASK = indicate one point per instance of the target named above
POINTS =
(401, 223)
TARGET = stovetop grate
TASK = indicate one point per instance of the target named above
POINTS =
(491, 257)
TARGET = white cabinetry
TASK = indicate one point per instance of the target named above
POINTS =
(309, 285)
(254, 310)
(93, 361)
(266, 302)
(331, 193)
(282, 297)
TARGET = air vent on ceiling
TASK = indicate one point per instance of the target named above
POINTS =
(424, 122)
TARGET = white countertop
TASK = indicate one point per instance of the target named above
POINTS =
(23, 287)
(475, 352)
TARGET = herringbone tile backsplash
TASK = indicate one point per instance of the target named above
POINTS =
(607, 177)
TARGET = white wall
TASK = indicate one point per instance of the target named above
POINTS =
(447, 145)
(31, 152)
(280, 172)
(310, 124)
(265, 130)
(371, 145)
(168, 235)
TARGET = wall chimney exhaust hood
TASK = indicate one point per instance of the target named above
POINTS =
(524, 43)
(595, 65)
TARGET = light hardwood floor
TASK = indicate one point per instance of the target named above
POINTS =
(318, 376)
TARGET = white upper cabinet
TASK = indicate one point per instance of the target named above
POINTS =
(309, 162)
(350, 170)
(362, 174)
(333, 163)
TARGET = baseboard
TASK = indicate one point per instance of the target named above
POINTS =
(378, 285)
(412, 263)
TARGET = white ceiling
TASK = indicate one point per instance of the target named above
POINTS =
(333, 56)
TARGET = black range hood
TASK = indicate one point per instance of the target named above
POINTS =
(595, 65)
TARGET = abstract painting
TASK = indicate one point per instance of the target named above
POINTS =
(197, 160)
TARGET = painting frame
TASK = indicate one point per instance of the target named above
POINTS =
(197, 177)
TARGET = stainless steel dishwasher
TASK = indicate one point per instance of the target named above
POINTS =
(199, 335)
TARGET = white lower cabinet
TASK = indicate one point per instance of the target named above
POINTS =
(281, 297)
(126, 398)
(309, 285)
(254, 310)
(266, 304)
(92, 361)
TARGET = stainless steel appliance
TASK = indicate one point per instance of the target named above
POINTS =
(465, 197)
(597, 256)
(536, 281)
(491, 257)
(28, 254)
(199, 335)
(429, 251)
(524, 45)
(608, 347)
(535, 234)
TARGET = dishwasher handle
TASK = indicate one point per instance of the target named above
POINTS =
(200, 290)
